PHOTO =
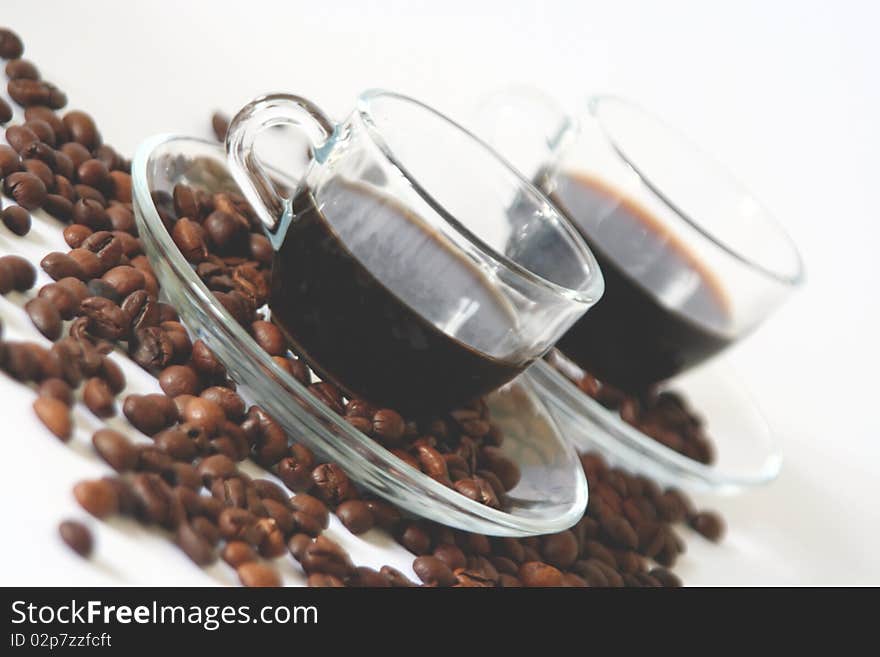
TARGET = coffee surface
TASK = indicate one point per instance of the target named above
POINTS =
(377, 302)
(662, 310)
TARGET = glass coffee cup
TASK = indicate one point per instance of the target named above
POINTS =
(691, 261)
(397, 268)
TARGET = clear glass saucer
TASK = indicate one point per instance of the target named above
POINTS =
(747, 453)
(552, 492)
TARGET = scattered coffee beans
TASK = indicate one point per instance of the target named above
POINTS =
(77, 536)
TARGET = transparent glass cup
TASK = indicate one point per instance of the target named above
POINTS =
(398, 272)
(691, 260)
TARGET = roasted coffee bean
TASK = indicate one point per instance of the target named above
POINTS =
(42, 171)
(205, 414)
(415, 539)
(45, 317)
(26, 188)
(107, 247)
(225, 232)
(256, 574)
(42, 130)
(179, 380)
(539, 574)
(112, 374)
(38, 151)
(20, 136)
(117, 450)
(151, 348)
(708, 524)
(150, 414)
(120, 183)
(296, 474)
(236, 523)
(17, 219)
(58, 206)
(619, 531)
(356, 516)
(155, 503)
(93, 173)
(121, 218)
(560, 549)
(88, 193)
(87, 261)
(332, 484)
(433, 464)
(176, 334)
(205, 362)
(91, 213)
(229, 402)
(21, 69)
(326, 556)
(99, 497)
(56, 389)
(5, 112)
(11, 46)
(77, 536)
(55, 415)
(451, 555)
(269, 337)
(388, 425)
(36, 92)
(479, 490)
(434, 572)
(261, 249)
(42, 113)
(194, 545)
(76, 234)
(10, 162)
(98, 397)
(188, 236)
(329, 394)
(105, 319)
(60, 265)
(16, 273)
(236, 553)
(176, 444)
(125, 279)
(82, 129)
(141, 309)
(220, 125)
(311, 506)
(217, 466)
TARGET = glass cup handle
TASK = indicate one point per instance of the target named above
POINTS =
(247, 170)
(527, 127)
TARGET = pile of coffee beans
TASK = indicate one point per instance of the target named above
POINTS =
(183, 476)
(664, 415)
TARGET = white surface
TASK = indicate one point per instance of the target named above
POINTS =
(785, 93)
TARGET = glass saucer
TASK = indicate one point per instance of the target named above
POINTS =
(747, 453)
(552, 492)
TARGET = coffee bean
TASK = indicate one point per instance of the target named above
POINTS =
(269, 338)
(332, 484)
(187, 235)
(117, 450)
(45, 317)
(295, 472)
(326, 556)
(150, 347)
(43, 130)
(356, 516)
(708, 524)
(11, 46)
(619, 531)
(112, 374)
(125, 279)
(17, 219)
(256, 574)
(539, 574)
(220, 124)
(415, 539)
(5, 112)
(149, 414)
(229, 402)
(77, 536)
(82, 129)
(560, 549)
(505, 468)
(20, 136)
(99, 288)
(26, 188)
(179, 380)
(225, 232)
(205, 414)
(311, 506)
(236, 553)
(121, 218)
(10, 162)
(56, 389)
(388, 425)
(21, 69)
(93, 173)
(98, 397)
(42, 171)
(60, 265)
(36, 92)
(98, 497)
(120, 183)
(105, 318)
(55, 415)
(329, 395)
(87, 261)
(194, 545)
(217, 466)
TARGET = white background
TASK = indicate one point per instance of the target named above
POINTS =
(785, 93)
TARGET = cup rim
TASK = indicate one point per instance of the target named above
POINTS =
(792, 279)
(594, 283)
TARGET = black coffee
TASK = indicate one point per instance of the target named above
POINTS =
(332, 284)
(632, 339)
